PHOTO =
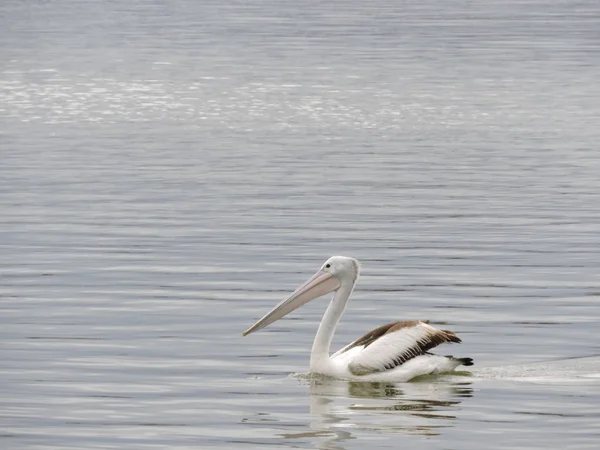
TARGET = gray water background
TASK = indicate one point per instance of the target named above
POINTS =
(171, 170)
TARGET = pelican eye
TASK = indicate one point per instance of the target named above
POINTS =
(327, 266)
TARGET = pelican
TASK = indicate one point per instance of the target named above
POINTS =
(398, 351)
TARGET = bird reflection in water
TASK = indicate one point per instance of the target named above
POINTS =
(340, 410)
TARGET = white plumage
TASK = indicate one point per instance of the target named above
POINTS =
(398, 351)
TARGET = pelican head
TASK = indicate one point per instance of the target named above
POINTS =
(335, 271)
(343, 268)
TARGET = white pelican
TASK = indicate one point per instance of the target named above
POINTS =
(397, 351)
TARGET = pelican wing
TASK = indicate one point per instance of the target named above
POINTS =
(391, 345)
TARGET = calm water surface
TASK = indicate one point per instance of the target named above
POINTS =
(169, 171)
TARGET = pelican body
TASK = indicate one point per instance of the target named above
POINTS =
(398, 351)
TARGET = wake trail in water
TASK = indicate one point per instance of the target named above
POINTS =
(578, 369)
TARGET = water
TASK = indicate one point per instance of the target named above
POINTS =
(170, 171)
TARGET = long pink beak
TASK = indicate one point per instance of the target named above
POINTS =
(319, 284)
